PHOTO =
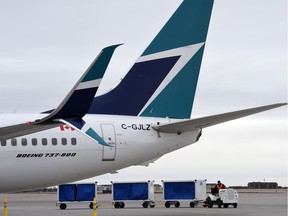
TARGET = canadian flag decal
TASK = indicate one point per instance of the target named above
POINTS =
(66, 128)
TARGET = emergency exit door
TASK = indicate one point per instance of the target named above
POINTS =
(108, 135)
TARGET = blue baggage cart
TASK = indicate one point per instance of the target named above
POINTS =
(82, 192)
(192, 191)
(133, 191)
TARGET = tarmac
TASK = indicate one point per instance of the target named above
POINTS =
(44, 204)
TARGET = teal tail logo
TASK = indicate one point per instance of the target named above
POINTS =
(163, 81)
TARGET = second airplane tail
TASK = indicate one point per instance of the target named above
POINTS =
(162, 82)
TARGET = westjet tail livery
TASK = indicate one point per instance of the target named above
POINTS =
(146, 116)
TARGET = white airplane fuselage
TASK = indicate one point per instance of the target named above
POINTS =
(63, 154)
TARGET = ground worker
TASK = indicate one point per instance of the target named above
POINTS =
(220, 186)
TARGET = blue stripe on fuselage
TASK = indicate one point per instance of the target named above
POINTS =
(129, 97)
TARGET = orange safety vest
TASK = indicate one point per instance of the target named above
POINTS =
(220, 186)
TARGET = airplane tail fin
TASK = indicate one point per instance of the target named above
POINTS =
(162, 82)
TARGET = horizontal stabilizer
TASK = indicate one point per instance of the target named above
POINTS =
(199, 123)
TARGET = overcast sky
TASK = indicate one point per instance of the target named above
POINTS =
(45, 46)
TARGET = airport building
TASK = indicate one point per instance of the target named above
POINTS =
(262, 185)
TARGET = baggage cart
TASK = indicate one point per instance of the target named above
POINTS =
(133, 191)
(75, 193)
(192, 191)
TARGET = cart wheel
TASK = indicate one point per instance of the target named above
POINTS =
(152, 205)
(167, 204)
(235, 205)
(91, 205)
(192, 205)
(116, 205)
(225, 205)
(177, 204)
(145, 204)
(219, 203)
(209, 202)
(204, 204)
(63, 206)
(121, 205)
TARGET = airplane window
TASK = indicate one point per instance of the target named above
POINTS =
(64, 141)
(13, 142)
(3, 142)
(44, 141)
(54, 141)
(34, 141)
(73, 141)
(24, 141)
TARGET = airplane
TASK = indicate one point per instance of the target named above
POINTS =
(143, 118)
